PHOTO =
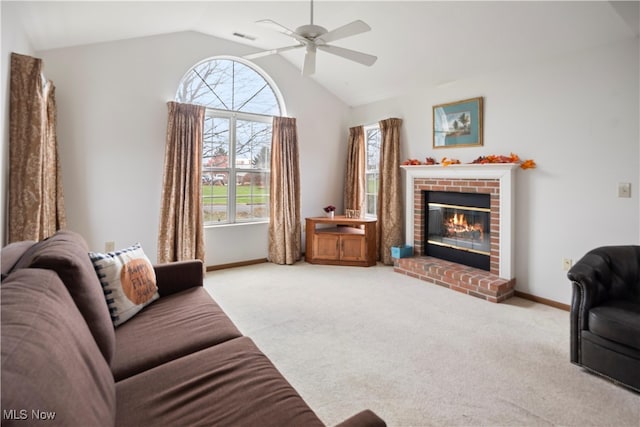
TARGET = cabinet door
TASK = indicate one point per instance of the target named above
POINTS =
(326, 246)
(353, 248)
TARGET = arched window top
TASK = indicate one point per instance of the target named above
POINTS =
(230, 84)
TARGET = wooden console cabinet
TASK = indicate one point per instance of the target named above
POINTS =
(341, 241)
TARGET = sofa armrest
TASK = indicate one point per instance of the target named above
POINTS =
(177, 276)
(366, 418)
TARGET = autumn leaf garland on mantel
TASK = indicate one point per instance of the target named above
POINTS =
(513, 158)
(446, 161)
(482, 160)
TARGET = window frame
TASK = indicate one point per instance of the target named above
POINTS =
(368, 172)
(233, 116)
(232, 169)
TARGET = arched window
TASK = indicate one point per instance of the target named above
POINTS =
(241, 102)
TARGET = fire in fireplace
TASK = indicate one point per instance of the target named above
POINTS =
(458, 227)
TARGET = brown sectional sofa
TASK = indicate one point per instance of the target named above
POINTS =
(179, 362)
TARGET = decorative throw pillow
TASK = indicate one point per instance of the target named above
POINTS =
(128, 281)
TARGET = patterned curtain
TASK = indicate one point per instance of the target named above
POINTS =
(354, 185)
(181, 234)
(285, 234)
(390, 190)
(36, 201)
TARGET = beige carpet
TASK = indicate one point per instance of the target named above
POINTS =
(349, 338)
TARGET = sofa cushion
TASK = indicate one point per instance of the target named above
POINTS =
(618, 321)
(171, 327)
(66, 253)
(128, 281)
(230, 384)
(50, 360)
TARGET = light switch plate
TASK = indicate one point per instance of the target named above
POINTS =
(624, 189)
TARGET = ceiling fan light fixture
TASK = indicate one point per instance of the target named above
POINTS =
(309, 66)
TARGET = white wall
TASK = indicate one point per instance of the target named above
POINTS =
(14, 39)
(577, 117)
(111, 130)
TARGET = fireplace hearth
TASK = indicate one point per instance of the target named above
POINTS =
(464, 244)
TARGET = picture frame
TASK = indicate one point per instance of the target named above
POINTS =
(458, 124)
(352, 213)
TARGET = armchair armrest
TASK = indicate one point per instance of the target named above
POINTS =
(177, 276)
(366, 418)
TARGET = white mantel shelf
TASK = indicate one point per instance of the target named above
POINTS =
(504, 172)
(479, 170)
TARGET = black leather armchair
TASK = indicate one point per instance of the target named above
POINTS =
(605, 313)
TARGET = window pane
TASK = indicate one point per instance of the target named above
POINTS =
(224, 84)
(215, 149)
(372, 202)
(252, 196)
(372, 183)
(252, 93)
(214, 198)
(208, 83)
(371, 192)
(372, 176)
(215, 172)
(253, 144)
(373, 149)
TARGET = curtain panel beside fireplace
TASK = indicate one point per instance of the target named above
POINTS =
(389, 191)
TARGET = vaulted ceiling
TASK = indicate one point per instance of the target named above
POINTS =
(418, 43)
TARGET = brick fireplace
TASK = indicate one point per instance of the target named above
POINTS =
(497, 180)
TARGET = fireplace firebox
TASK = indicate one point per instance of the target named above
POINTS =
(458, 227)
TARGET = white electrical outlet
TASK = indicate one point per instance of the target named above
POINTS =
(624, 189)
(109, 246)
(567, 263)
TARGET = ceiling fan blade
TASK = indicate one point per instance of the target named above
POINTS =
(271, 52)
(309, 66)
(359, 57)
(282, 29)
(348, 30)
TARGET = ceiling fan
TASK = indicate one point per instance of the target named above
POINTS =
(314, 37)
